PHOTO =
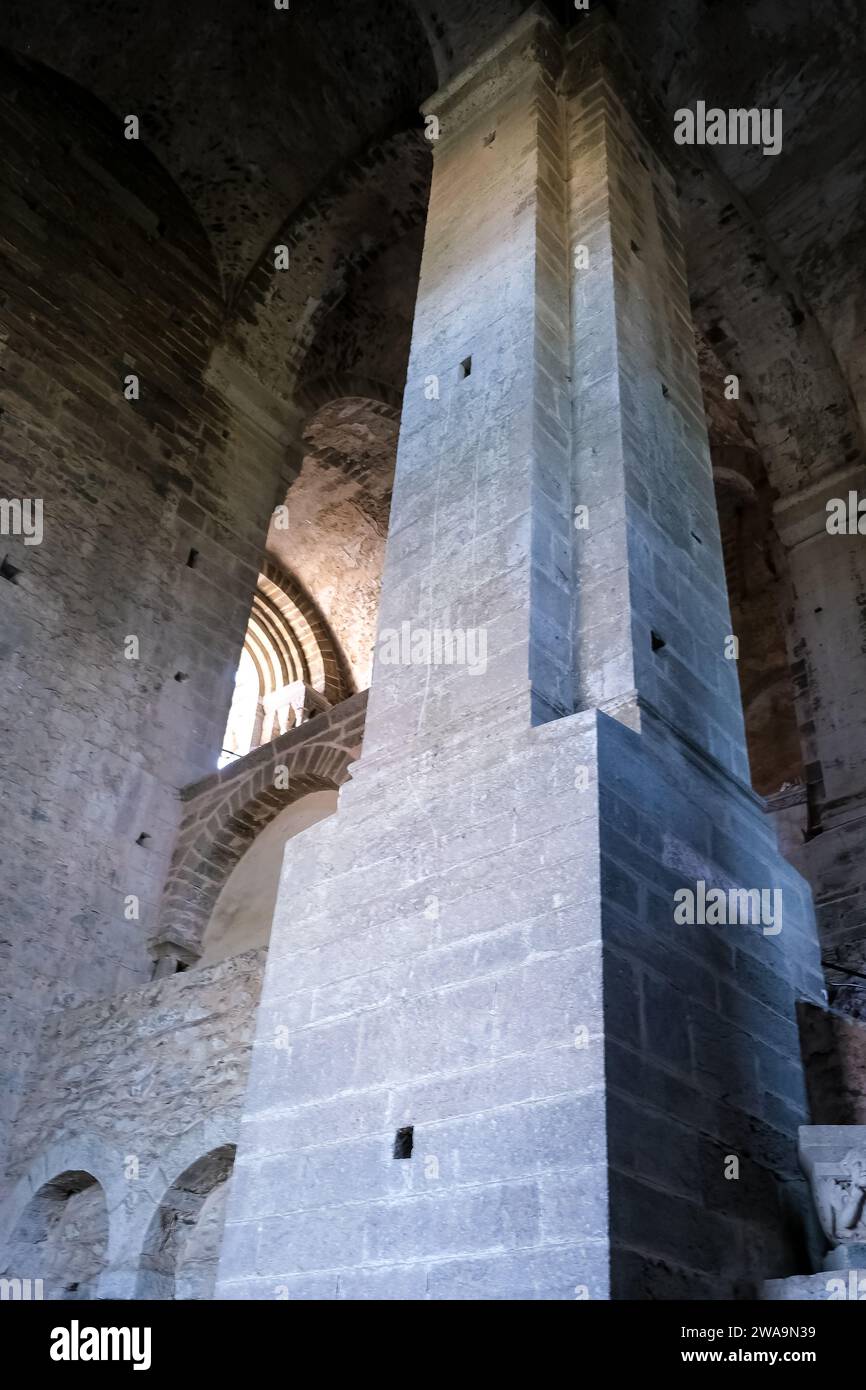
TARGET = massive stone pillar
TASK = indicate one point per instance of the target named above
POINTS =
(827, 645)
(489, 1062)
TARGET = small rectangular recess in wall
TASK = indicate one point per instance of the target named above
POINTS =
(8, 570)
(656, 641)
(192, 559)
(465, 368)
(403, 1141)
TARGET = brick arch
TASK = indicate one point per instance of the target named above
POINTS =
(327, 670)
(224, 813)
(321, 390)
(330, 438)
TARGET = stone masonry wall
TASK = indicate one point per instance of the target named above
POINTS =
(701, 1042)
(480, 946)
(434, 963)
(135, 1089)
(224, 812)
(826, 619)
(143, 1067)
(650, 598)
(434, 948)
(155, 513)
(702, 1055)
(834, 1054)
(496, 343)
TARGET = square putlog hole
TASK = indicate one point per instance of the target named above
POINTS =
(403, 1141)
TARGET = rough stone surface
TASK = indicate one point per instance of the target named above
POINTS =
(223, 813)
(230, 100)
(834, 1054)
(144, 1065)
(479, 948)
(651, 602)
(480, 944)
(95, 745)
(135, 1090)
(701, 1026)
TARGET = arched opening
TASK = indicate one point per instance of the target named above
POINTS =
(230, 810)
(61, 1239)
(181, 1251)
(243, 912)
(334, 339)
(339, 506)
(289, 669)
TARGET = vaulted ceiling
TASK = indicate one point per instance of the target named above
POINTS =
(248, 107)
(267, 118)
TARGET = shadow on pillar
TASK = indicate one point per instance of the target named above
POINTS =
(705, 1086)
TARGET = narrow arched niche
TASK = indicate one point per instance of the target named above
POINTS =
(181, 1249)
(61, 1239)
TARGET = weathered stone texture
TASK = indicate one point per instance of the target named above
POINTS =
(203, 77)
(105, 273)
(651, 606)
(826, 643)
(479, 949)
(834, 1055)
(702, 1045)
(491, 328)
(481, 943)
(61, 1239)
(145, 1066)
(435, 967)
(484, 989)
(136, 1092)
(224, 812)
(444, 986)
